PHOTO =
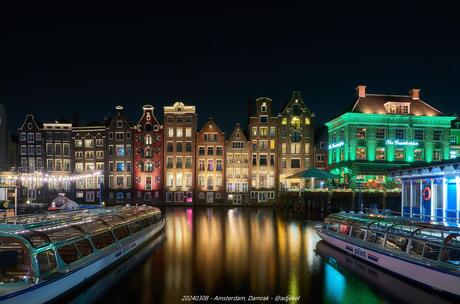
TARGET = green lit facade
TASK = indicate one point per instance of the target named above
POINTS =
(385, 131)
(455, 139)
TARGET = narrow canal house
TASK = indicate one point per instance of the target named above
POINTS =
(455, 139)
(179, 152)
(30, 159)
(384, 131)
(118, 181)
(210, 142)
(59, 158)
(89, 145)
(431, 191)
(148, 157)
(295, 141)
(237, 152)
(263, 134)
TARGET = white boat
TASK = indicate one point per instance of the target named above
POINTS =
(43, 257)
(425, 252)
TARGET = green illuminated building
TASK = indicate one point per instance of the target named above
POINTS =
(455, 139)
(380, 132)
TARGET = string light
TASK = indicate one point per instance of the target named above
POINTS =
(38, 176)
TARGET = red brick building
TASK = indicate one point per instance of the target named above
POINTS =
(148, 157)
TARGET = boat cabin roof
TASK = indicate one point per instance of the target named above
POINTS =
(67, 226)
(435, 232)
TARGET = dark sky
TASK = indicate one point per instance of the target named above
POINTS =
(55, 61)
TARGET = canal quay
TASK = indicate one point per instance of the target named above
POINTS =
(242, 252)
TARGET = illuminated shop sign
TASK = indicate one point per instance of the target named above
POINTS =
(336, 145)
(398, 142)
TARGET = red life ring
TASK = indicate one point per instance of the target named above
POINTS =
(427, 193)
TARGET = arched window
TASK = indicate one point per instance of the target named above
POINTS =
(201, 181)
(295, 136)
(140, 165)
(148, 152)
(148, 127)
(295, 122)
(148, 140)
(148, 167)
(219, 180)
(210, 182)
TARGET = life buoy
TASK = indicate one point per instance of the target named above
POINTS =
(427, 193)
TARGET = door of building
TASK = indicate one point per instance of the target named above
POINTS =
(237, 199)
(209, 197)
(262, 196)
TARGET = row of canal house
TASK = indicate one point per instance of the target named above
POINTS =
(173, 162)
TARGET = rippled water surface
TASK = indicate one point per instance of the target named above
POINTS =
(219, 252)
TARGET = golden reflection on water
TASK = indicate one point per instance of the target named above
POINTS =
(234, 252)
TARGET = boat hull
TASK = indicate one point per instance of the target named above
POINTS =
(436, 279)
(51, 289)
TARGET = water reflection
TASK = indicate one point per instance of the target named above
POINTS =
(243, 251)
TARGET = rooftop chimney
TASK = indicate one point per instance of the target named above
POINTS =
(414, 93)
(361, 90)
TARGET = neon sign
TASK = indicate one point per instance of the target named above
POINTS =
(336, 145)
(398, 142)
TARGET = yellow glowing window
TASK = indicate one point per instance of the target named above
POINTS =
(272, 144)
(284, 121)
(295, 122)
(307, 120)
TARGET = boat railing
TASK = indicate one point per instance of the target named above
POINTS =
(408, 216)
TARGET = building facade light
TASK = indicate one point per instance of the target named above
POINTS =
(397, 142)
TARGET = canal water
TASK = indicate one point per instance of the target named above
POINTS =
(243, 252)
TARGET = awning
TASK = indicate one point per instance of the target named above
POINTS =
(369, 169)
(313, 173)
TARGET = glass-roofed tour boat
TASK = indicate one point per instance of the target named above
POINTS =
(44, 256)
(424, 252)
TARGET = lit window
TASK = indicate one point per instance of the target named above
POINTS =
(284, 121)
(399, 153)
(307, 120)
(295, 122)
(418, 154)
(380, 154)
(360, 133)
(361, 153)
(437, 155)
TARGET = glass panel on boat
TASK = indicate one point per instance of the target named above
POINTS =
(431, 235)
(63, 234)
(344, 229)
(37, 239)
(14, 261)
(145, 222)
(358, 233)
(396, 242)
(84, 247)
(431, 252)
(102, 240)
(46, 261)
(334, 227)
(416, 248)
(451, 256)
(68, 253)
(121, 232)
(93, 227)
(134, 227)
(113, 220)
(380, 225)
(453, 239)
(402, 230)
(375, 237)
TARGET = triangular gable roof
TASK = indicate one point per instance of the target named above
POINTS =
(235, 130)
(211, 121)
(147, 107)
(30, 117)
(295, 96)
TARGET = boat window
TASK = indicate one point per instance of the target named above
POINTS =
(37, 239)
(431, 252)
(84, 247)
(402, 230)
(93, 227)
(358, 233)
(416, 248)
(46, 261)
(113, 220)
(121, 232)
(68, 253)
(134, 227)
(145, 222)
(333, 227)
(396, 242)
(451, 256)
(14, 261)
(453, 240)
(154, 219)
(344, 229)
(430, 235)
(381, 225)
(63, 234)
(375, 237)
(102, 240)
(324, 225)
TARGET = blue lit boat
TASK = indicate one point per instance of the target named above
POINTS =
(425, 252)
(44, 256)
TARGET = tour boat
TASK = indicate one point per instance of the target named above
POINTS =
(425, 252)
(44, 256)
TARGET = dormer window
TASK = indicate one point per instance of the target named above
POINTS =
(397, 107)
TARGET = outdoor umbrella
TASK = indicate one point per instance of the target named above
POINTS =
(313, 173)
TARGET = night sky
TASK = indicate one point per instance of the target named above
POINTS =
(56, 61)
